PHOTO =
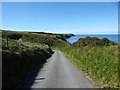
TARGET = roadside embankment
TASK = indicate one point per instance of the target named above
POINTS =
(20, 61)
(20, 65)
(97, 58)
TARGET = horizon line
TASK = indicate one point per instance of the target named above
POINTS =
(56, 32)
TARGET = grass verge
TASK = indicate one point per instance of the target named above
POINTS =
(100, 63)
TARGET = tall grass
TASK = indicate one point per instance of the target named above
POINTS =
(100, 63)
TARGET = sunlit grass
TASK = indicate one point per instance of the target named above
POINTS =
(100, 63)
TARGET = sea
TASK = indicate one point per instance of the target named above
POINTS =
(112, 37)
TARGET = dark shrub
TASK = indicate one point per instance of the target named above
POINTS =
(105, 42)
(93, 41)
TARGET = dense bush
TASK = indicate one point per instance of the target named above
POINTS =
(12, 34)
(93, 41)
(105, 42)
(15, 36)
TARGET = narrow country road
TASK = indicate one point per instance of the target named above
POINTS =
(59, 72)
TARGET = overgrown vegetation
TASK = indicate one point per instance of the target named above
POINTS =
(93, 41)
(100, 62)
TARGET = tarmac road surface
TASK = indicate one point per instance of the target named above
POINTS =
(59, 72)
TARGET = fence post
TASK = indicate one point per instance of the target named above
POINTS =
(7, 41)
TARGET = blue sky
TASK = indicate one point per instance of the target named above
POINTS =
(61, 17)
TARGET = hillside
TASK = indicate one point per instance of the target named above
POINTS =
(21, 61)
(38, 37)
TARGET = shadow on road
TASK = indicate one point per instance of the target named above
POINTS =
(30, 81)
(40, 79)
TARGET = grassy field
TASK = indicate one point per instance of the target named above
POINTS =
(99, 63)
